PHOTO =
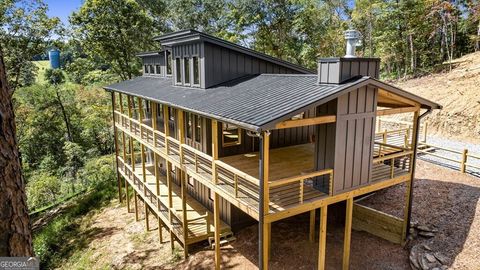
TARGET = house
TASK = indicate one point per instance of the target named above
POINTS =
(214, 137)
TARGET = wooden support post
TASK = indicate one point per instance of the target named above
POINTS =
(216, 223)
(124, 150)
(136, 205)
(170, 202)
(128, 196)
(115, 138)
(322, 241)
(405, 212)
(157, 173)
(141, 116)
(160, 236)
(147, 221)
(214, 150)
(312, 226)
(132, 154)
(183, 178)
(348, 234)
(266, 170)
(144, 170)
(129, 105)
(154, 122)
(181, 133)
(166, 127)
(264, 208)
(463, 165)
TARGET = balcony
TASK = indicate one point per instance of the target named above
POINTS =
(292, 182)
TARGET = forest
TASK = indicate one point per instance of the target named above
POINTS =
(63, 116)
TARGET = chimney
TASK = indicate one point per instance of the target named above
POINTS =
(340, 69)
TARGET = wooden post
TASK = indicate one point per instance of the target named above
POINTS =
(463, 165)
(144, 171)
(147, 221)
(115, 138)
(266, 169)
(216, 223)
(312, 226)
(166, 127)
(124, 151)
(348, 234)
(214, 150)
(128, 196)
(181, 133)
(129, 105)
(425, 125)
(264, 208)
(216, 198)
(141, 116)
(183, 178)
(170, 201)
(322, 241)
(160, 236)
(136, 205)
(157, 173)
(132, 154)
(154, 122)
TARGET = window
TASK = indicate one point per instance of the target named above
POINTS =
(230, 135)
(211, 194)
(186, 68)
(145, 69)
(178, 70)
(158, 70)
(151, 70)
(190, 180)
(196, 71)
(169, 63)
(189, 124)
(198, 128)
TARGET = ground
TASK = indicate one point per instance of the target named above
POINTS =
(444, 199)
(458, 92)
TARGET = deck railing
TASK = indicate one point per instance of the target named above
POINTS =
(391, 166)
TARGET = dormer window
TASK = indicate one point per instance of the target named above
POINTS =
(178, 71)
(196, 71)
(186, 69)
(169, 63)
(158, 71)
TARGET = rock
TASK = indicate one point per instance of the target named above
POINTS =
(440, 257)
(424, 263)
(436, 268)
(414, 258)
(425, 246)
(424, 228)
(426, 234)
(430, 258)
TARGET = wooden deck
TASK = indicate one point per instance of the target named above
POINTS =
(199, 218)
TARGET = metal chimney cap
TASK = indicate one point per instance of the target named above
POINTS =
(352, 37)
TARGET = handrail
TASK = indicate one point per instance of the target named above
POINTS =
(288, 180)
(237, 172)
(442, 148)
(392, 146)
(387, 157)
(198, 218)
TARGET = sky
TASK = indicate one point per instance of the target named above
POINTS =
(62, 8)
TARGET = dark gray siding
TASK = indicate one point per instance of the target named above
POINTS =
(223, 64)
(189, 50)
(155, 60)
(325, 145)
(338, 70)
(354, 138)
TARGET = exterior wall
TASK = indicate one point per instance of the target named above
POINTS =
(223, 64)
(155, 60)
(355, 129)
(338, 70)
(325, 145)
(189, 50)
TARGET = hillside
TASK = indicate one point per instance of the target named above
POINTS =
(458, 91)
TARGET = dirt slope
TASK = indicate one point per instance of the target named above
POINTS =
(459, 92)
(444, 199)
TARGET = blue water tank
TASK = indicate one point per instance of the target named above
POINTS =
(54, 56)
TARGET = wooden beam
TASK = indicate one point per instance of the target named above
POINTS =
(312, 226)
(147, 220)
(160, 236)
(216, 222)
(183, 177)
(307, 122)
(348, 234)
(397, 111)
(322, 237)
(390, 95)
(166, 127)
(214, 150)
(181, 133)
(267, 232)
(127, 195)
(115, 138)
(170, 202)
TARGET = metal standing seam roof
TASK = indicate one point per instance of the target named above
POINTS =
(255, 102)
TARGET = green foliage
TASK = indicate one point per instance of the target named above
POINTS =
(25, 31)
(114, 31)
(99, 77)
(79, 68)
(54, 76)
(42, 189)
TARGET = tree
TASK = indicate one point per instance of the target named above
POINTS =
(15, 229)
(114, 31)
(25, 31)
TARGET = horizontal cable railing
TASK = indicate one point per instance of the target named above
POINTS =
(391, 166)
(241, 185)
(299, 189)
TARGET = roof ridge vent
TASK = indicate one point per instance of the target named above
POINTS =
(352, 37)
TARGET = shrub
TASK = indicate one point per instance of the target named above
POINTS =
(42, 189)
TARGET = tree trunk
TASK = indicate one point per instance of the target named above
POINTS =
(64, 114)
(15, 228)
